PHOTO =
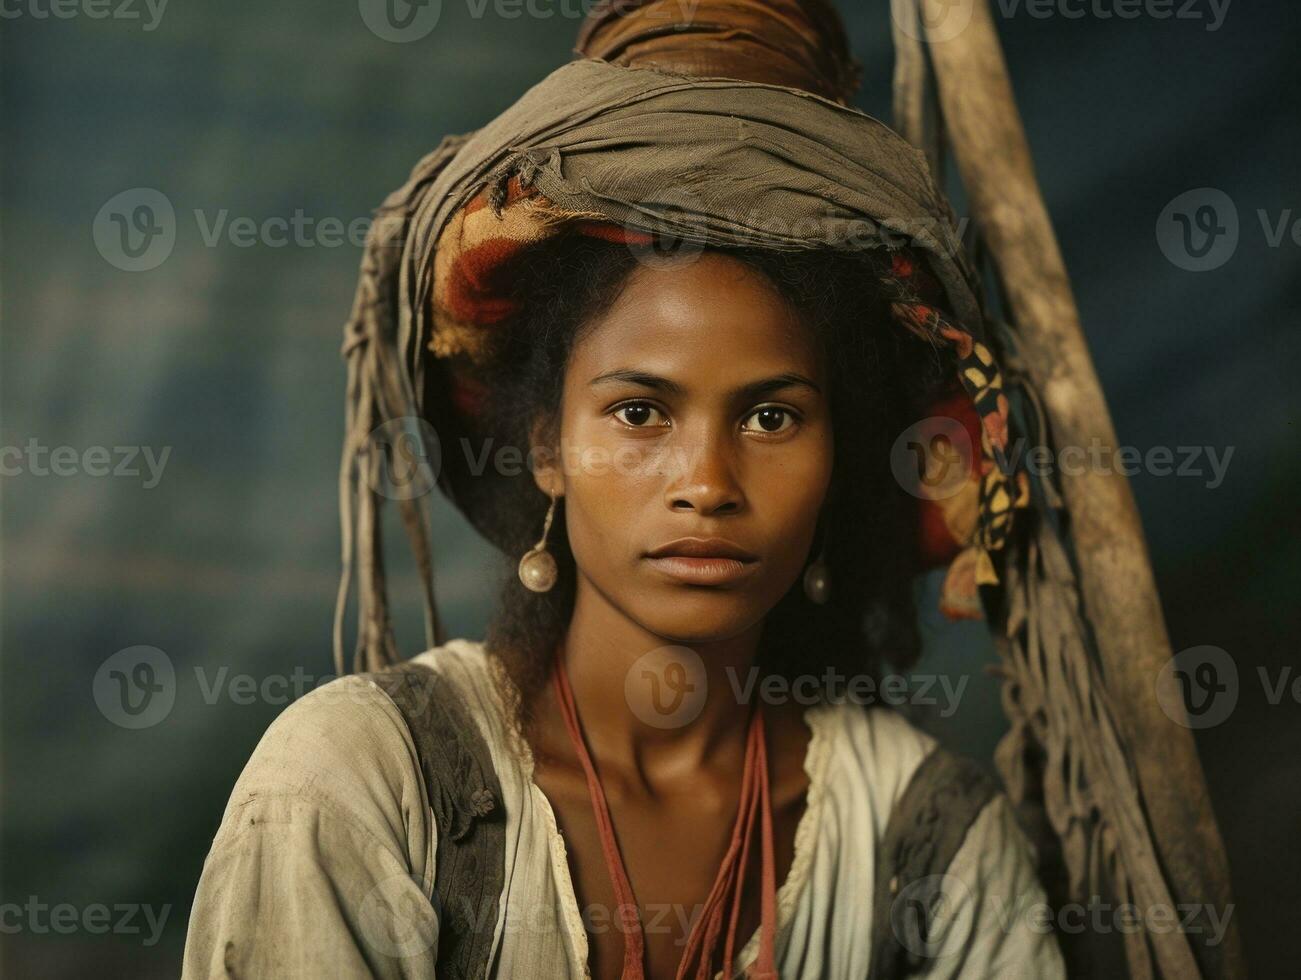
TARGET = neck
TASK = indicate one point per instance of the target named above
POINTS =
(646, 715)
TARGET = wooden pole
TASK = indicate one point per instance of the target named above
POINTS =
(1117, 586)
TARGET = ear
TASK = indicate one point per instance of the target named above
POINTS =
(547, 471)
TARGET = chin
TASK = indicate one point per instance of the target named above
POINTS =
(698, 615)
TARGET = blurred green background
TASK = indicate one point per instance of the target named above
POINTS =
(226, 357)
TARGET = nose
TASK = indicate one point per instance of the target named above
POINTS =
(708, 482)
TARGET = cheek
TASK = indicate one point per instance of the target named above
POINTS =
(791, 498)
(609, 485)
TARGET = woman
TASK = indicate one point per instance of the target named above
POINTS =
(619, 781)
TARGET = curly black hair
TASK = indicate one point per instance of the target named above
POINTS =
(882, 379)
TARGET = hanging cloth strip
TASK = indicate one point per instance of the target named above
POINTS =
(702, 942)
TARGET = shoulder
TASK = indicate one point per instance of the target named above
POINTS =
(898, 775)
(912, 778)
(480, 689)
(343, 748)
(448, 702)
(348, 744)
(328, 825)
(941, 837)
(991, 916)
(946, 838)
(908, 777)
(463, 665)
(873, 754)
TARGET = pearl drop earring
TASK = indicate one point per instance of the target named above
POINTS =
(537, 569)
(817, 577)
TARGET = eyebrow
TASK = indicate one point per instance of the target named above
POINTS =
(754, 389)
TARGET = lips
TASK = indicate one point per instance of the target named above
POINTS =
(702, 548)
(703, 561)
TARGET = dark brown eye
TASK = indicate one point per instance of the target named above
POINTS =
(636, 414)
(772, 419)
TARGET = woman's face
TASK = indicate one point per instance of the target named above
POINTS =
(696, 407)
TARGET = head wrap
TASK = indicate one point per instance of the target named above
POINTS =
(634, 151)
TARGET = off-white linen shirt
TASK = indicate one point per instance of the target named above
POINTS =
(326, 852)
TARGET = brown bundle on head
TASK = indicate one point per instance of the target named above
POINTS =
(799, 43)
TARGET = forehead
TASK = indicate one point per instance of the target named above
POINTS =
(713, 316)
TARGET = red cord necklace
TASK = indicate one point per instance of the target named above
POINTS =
(703, 940)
